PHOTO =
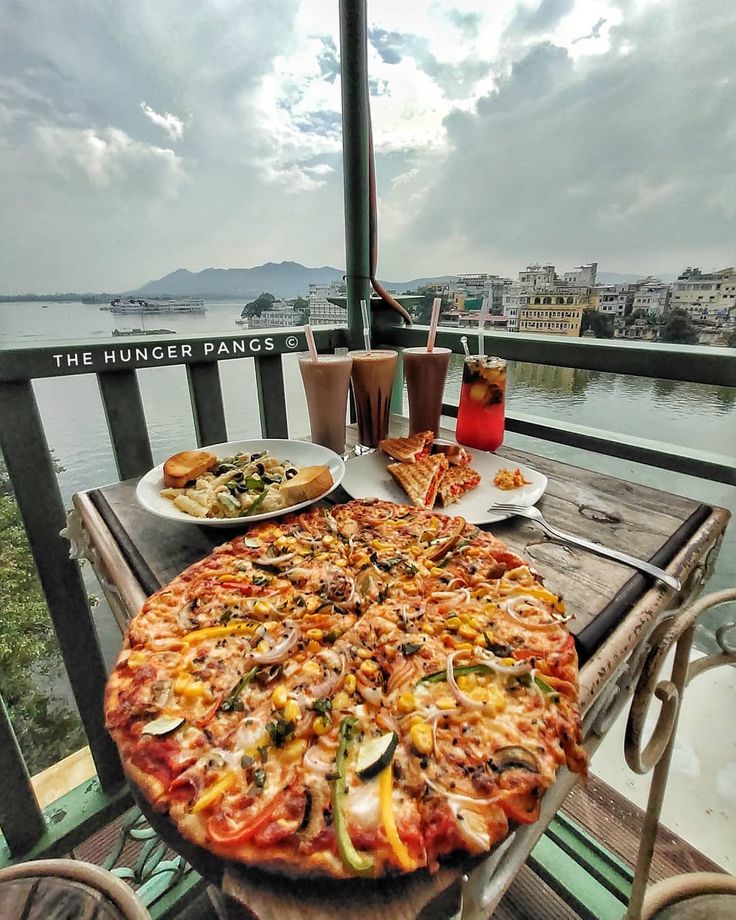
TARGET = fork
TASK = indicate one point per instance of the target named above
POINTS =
(534, 514)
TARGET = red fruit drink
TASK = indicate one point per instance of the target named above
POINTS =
(481, 413)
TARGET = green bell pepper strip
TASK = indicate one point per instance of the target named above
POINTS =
(439, 676)
(358, 862)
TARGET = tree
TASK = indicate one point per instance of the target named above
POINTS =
(422, 309)
(301, 306)
(678, 328)
(262, 303)
(599, 323)
(46, 729)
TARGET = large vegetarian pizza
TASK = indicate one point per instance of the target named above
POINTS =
(355, 691)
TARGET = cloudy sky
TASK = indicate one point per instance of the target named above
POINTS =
(137, 137)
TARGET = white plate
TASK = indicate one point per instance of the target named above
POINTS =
(367, 477)
(300, 453)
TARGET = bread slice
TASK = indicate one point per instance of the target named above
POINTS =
(310, 482)
(455, 483)
(408, 450)
(420, 480)
(186, 466)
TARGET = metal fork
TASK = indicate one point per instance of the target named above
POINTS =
(534, 514)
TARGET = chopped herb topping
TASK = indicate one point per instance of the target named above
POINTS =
(323, 706)
(408, 648)
(280, 730)
(232, 701)
(259, 777)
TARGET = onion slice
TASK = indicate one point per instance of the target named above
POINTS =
(508, 670)
(461, 697)
(274, 560)
(281, 650)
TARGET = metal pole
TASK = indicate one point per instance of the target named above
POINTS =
(355, 152)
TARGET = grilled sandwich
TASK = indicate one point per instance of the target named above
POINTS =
(420, 480)
(408, 450)
(455, 483)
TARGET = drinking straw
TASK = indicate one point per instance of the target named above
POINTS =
(366, 325)
(433, 323)
(481, 324)
(311, 344)
(464, 343)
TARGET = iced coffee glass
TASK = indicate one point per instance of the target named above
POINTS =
(481, 413)
(326, 384)
(425, 373)
(373, 378)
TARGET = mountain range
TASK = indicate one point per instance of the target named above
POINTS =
(287, 279)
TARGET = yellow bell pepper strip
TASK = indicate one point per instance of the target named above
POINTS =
(215, 792)
(360, 863)
(386, 786)
(217, 632)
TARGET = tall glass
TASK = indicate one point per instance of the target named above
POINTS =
(373, 378)
(425, 373)
(326, 384)
(481, 413)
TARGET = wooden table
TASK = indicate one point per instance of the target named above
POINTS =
(615, 608)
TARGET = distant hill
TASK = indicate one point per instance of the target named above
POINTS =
(283, 279)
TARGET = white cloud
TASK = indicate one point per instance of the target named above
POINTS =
(110, 157)
(171, 124)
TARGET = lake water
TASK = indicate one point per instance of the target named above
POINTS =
(667, 412)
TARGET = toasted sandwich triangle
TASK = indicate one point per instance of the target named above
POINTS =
(408, 450)
(455, 483)
(420, 480)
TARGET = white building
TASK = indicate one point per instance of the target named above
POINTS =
(614, 299)
(540, 285)
(479, 285)
(582, 275)
(652, 296)
(705, 295)
(281, 314)
(321, 311)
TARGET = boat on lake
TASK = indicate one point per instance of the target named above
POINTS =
(139, 306)
(138, 331)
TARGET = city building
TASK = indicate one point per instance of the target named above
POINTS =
(583, 275)
(321, 311)
(487, 289)
(641, 328)
(281, 314)
(651, 296)
(613, 299)
(705, 295)
(541, 302)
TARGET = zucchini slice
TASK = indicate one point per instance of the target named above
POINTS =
(376, 754)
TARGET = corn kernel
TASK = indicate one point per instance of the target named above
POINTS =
(496, 699)
(437, 571)
(315, 634)
(279, 697)
(467, 681)
(480, 640)
(475, 623)
(421, 737)
(429, 629)
(262, 608)
(508, 661)
(350, 683)
(312, 669)
(294, 750)
(340, 700)
(445, 702)
(406, 702)
(181, 683)
(322, 556)
(136, 659)
(313, 646)
(292, 712)
(321, 725)
(453, 623)
(263, 646)
(467, 632)
(464, 646)
(282, 542)
(327, 539)
(364, 653)
(415, 719)
(341, 563)
(369, 666)
(313, 603)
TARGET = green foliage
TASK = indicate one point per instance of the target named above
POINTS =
(301, 306)
(599, 323)
(653, 318)
(678, 328)
(29, 653)
(421, 310)
(263, 302)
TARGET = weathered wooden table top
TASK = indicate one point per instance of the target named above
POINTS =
(615, 609)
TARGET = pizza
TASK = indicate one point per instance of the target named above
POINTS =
(355, 691)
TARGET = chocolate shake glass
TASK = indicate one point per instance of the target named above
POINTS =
(425, 373)
(326, 383)
(373, 378)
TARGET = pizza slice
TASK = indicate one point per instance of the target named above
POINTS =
(420, 480)
(455, 483)
(408, 450)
